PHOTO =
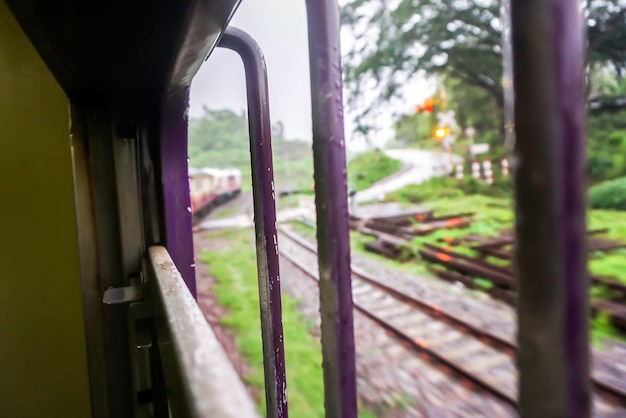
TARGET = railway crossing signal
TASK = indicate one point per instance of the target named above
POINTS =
(428, 106)
(505, 167)
(441, 132)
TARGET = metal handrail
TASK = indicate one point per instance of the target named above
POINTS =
(199, 379)
(260, 131)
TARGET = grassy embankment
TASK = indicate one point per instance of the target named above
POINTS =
(364, 170)
(367, 168)
(237, 290)
(494, 215)
(492, 205)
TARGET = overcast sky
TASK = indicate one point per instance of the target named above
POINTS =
(279, 26)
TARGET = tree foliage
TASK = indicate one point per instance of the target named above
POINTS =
(457, 40)
(414, 129)
(606, 147)
(606, 30)
(609, 194)
(219, 139)
(395, 42)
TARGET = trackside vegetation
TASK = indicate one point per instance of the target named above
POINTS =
(494, 215)
(609, 194)
(237, 290)
(367, 168)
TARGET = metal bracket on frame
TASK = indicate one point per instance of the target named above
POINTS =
(127, 294)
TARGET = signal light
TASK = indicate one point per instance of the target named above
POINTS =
(429, 106)
(440, 133)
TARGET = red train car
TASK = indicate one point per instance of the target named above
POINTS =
(209, 187)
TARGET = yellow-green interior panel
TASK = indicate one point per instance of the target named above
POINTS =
(43, 363)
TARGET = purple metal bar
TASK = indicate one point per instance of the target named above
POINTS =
(175, 183)
(548, 56)
(331, 200)
(265, 218)
(507, 76)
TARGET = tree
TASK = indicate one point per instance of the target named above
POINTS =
(455, 38)
(474, 107)
(219, 138)
(451, 39)
(606, 29)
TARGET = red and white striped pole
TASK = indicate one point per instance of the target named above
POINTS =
(487, 171)
(459, 171)
(476, 170)
(505, 167)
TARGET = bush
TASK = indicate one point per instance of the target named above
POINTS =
(501, 187)
(436, 188)
(609, 194)
(448, 187)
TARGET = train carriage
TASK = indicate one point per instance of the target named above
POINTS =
(202, 190)
(230, 183)
(209, 187)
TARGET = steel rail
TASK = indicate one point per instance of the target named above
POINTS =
(429, 308)
(466, 266)
(492, 339)
(418, 345)
(483, 263)
(501, 294)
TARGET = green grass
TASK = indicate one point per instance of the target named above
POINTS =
(610, 264)
(226, 213)
(369, 167)
(614, 220)
(293, 174)
(451, 188)
(609, 194)
(303, 229)
(411, 266)
(237, 290)
(493, 215)
(286, 202)
(601, 329)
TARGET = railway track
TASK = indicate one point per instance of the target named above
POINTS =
(476, 355)
(393, 240)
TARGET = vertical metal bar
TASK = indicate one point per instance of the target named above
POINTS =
(507, 76)
(175, 183)
(265, 217)
(547, 38)
(95, 322)
(109, 260)
(331, 199)
(129, 203)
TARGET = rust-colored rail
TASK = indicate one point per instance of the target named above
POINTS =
(618, 394)
(465, 266)
(421, 346)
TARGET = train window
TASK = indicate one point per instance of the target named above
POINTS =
(482, 188)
